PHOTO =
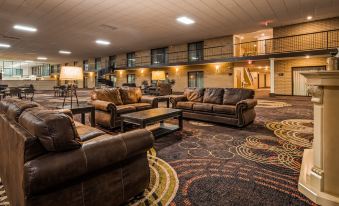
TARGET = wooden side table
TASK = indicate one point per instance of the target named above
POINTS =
(82, 109)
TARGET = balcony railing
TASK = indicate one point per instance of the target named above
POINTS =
(297, 43)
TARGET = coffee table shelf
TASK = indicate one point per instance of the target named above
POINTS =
(152, 116)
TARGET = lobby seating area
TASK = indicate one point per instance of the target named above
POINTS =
(169, 103)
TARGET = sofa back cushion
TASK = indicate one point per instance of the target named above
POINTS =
(4, 104)
(213, 95)
(194, 94)
(130, 95)
(108, 95)
(234, 95)
(16, 108)
(54, 129)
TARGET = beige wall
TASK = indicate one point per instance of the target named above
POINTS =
(308, 27)
(177, 53)
(283, 72)
(212, 77)
(143, 57)
(121, 60)
(223, 46)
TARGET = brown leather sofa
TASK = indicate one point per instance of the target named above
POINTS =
(48, 159)
(110, 103)
(220, 105)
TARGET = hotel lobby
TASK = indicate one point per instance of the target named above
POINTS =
(179, 102)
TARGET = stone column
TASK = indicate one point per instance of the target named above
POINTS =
(272, 76)
(319, 175)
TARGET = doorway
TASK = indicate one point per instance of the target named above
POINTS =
(299, 81)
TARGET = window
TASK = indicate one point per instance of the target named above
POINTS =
(97, 64)
(159, 56)
(196, 79)
(112, 62)
(130, 78)
(196, 51)
(131, 59)
(85, 65)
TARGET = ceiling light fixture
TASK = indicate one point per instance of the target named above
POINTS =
(41, 58)
(29, 61)
(102, 42)
(5, 45)
(25, 28)
(309, 17)
(64, 52)
(185, 20)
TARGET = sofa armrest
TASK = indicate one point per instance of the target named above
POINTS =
(247, 104)
(103, 105)
(55, 169)
(175, 99)
(151, 100)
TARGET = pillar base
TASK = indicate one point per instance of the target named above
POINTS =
(306, 187)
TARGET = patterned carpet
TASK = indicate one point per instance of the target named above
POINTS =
(210, 164)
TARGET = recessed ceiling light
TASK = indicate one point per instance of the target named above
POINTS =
(309, 17)
(102, 42)
(242, 37)
(29, 61)
(25, 28)
(5, 45)
(41, 58)
(64, 52)
(185, 20)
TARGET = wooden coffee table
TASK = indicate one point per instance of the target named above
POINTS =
(152, 116)
(82, 109)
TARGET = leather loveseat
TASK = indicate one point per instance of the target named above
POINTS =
(231, 106)
(48, 159)
(110, 103)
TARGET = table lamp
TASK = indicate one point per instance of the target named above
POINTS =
(71, 74)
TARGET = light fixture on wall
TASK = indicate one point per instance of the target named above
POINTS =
(142, 71)
(217, 68)
(309, 17)
(307, 56)
(176, 69)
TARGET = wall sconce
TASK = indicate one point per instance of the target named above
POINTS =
(142, 71)
(176, 69)
(120, 72)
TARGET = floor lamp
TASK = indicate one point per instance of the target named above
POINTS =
(71, 74)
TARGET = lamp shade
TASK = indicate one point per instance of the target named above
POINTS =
(158, 75)
(71, 73)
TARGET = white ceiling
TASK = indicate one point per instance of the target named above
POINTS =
(140, 24)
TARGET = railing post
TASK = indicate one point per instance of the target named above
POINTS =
(326, 39)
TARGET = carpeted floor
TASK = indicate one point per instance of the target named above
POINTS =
(210, 164)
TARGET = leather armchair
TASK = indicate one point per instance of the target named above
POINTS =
(104, 170)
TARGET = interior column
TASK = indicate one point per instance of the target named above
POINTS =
(272, 76)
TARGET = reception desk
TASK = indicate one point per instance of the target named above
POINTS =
(38, 84)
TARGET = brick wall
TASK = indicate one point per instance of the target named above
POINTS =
(222, 48)
(283, 72)
(308, 27)
(177, 53)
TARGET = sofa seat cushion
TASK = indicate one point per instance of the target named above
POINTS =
(130, 95)
(185, 105)
(108, 95)
(204, 107)
(122, 109)
(55, 130)
(194, 94)
(141, 106)
(86, 132)
(234, 95)
(224, 109)
(213, 95)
